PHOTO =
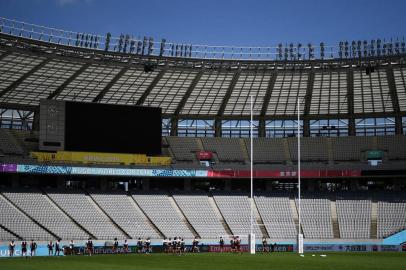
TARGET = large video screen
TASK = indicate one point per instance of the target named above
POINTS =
(92, 127)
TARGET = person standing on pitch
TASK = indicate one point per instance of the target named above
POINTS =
(57, 247)
(33, 248)
(265, 247)
(50, 248)
(24, 248)
(11, 248)
(221, 244)
(71, 247)
(125, 246)
(115, 246)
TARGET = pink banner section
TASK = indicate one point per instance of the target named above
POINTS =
(283, 174)
(8, 167)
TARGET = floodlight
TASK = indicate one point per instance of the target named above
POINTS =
(279, 50)
(322, 50)
(378, 47)
(107, 45)
(162, 48)
(150, 45)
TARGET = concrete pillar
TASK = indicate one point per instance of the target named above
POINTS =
(103, 183)
(15, 181)
(354, 185)
(310, 185)
(60, 182)
(187, 184)
(145, 184)
(268, 185)
(227, 185)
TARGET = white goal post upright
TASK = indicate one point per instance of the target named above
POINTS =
(252, 235)
(299, 235)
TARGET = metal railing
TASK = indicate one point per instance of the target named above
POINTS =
(147, 45)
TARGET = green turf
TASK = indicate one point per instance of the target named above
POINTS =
(280, 261)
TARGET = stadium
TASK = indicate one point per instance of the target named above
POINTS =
(106, 138)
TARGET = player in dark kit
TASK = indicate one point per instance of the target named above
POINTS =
(238, 244)
(11, 248)
(139, 245)
(57, 247)
(265, 247)
(195, 245)
(33, 248)
(89, 247)
(221, 242)
(71, 247)
(24, 248)
(148, 245)
(125, 246)
(232, 245)
(50, 248)
(165, 245)
(169, 243)
(115, 246)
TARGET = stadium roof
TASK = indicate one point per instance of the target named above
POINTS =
(186, 87)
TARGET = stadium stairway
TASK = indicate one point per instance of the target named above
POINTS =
(260, 221)
(66, 214)
(139, 209)
(12, 204)
(216, 210)
(182, 215)
(334, 220)
(245, 149)
(287, 153)
(294, 211)
(374, 219)
(10, 232)
(97, 206)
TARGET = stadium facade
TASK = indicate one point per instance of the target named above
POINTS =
(353, 121)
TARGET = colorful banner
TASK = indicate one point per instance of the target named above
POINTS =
(72, 170)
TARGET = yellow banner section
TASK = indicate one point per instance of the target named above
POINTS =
(100, 158)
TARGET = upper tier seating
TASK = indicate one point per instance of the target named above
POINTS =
(183, 148)
(267, 150)
(227, 149)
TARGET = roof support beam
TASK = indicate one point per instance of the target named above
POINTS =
(350, 102)
(228, 94)
(217, 121)
(175, 118)
(150, 87)
(308, 101)
(7, 53)
(68, 81)
(188, 93)
(15, 84)
(110, 84)
(265, 103)
(395, 101)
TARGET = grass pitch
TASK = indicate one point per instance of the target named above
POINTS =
(224, 261)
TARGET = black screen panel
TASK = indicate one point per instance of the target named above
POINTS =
(92, 127)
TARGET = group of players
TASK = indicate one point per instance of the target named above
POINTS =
(177, 245)
(172, 246)
(32, 246)
(24, 248)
